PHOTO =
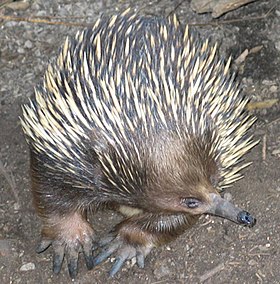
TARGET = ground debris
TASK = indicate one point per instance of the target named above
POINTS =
(212, 272)
(217, 7)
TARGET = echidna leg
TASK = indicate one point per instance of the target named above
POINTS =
(64, 219)
(137, 235)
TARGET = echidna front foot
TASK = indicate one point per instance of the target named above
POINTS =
(123, 250)
(68, 236)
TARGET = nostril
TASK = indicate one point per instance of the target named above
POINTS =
(246, 219)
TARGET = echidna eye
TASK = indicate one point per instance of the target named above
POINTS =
(191, 202)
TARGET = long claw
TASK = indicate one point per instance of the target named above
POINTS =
(88, 247)
(58, 258)
(140, 259)
(105, 254)
(117, 266)
(89, 261)
(72, 254)
(43, 245)
(73, 267)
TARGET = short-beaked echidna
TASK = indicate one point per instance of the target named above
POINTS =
(140, 115)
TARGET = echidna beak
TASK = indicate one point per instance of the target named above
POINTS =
(223, 208)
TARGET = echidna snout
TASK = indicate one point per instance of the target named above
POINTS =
(245, 218)
(223, 208)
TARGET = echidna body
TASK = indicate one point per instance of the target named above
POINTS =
(140, 115)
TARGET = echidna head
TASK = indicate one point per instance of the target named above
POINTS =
(201, 199)
(185, 181)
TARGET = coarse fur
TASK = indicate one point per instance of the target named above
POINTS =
(136, 112)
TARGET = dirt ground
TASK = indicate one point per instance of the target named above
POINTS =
(214, 251)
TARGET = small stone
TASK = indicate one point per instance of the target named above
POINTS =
(16, 206)
(275, 152)
(133, 261)
(11, 24)
(28, 44)
(27, 266)
(267, 82)
(273, 89)
(18, 5)
(41, 13)
(277, 45)
(20, 50)
(264, 248)
(252, 262)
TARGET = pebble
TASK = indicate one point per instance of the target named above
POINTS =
(252, 262)
(277, 45)
(11, 24)
(20, 50)
(28, 44)
(275, 152)
(267, 82)
(16, 206)
(27, 266)
(273, 89)
(265, 247)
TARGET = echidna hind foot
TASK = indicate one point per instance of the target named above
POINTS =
(68, 236)
(123, 251)
(128, 239)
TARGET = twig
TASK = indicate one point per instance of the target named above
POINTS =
(264, 147)
(11, 181)
(42, 21)
(175, 8)
(273, 121)
(160, 281)
(226, 22)
(212, 272)
(57, 17)
(259, 277)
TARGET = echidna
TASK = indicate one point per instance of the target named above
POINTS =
(140, 115)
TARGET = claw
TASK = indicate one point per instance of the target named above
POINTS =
(43, 245)
(89, 261)
(73, 267)
(125, 253)
(72, 253)
(140, 259)
(105, 254)
(58, 258)
(87, 251)
(88, 247)
(117, 266)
